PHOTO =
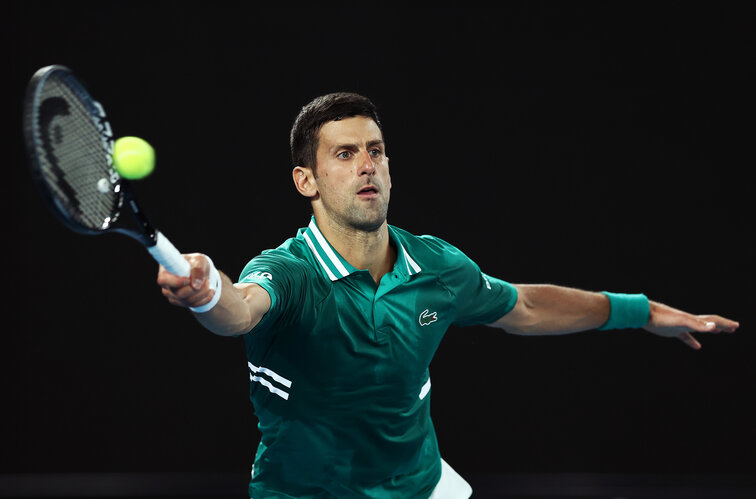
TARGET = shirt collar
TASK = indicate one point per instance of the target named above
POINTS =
(336, 267)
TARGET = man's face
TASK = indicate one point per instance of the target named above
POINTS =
(352, 173)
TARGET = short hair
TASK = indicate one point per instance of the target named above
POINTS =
(330, 107)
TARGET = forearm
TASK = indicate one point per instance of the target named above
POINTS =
(239, 309)
(232, 308)
(544, 309)
(550, 310)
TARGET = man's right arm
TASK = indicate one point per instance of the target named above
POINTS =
(240, 308)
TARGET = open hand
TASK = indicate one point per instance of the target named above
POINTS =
(672, 323)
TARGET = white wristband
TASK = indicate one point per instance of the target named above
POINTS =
(215, 284)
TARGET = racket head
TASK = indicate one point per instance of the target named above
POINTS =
(69, 145)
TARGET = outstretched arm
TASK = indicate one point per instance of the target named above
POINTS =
(548, 309)
(239, 309)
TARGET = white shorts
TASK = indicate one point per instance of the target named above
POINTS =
(451, 485)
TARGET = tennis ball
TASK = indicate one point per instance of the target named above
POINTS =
(133, 157)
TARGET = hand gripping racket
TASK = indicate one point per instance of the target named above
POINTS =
(70, 147)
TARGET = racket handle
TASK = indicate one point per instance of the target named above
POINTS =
(166, 254)
(169, 257)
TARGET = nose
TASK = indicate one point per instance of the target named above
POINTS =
(367, 167)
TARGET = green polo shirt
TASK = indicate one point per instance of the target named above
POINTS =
(338, 366)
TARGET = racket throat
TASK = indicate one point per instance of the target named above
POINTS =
(146, 233)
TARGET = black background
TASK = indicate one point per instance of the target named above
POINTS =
(595, 146)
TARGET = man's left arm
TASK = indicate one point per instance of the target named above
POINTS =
(543, 309)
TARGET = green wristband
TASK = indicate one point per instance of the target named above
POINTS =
(627, 311)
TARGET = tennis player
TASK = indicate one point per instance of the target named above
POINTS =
(341, 322)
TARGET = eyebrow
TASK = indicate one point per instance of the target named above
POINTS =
(356, 147)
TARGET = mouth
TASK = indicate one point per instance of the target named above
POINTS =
(368, 192)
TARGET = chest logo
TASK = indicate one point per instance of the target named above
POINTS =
(427, 317)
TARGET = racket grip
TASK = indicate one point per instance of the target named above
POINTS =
(166, 254)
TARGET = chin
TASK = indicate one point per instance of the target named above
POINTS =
(370, 225)
(370, 222)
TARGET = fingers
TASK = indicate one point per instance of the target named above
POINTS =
(689, 340)
(712, 324)
(187, 296)
(706, 324)
(669, 322)
(720, 324)
(701, 325)
(190, 291)
(199, 274)
(167, 280)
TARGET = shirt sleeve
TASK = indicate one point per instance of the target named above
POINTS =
(283, 278)
(480, 298)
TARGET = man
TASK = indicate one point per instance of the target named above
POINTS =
(341, 322)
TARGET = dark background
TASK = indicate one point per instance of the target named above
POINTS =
(581, 144)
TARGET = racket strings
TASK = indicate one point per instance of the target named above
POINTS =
(74, 158)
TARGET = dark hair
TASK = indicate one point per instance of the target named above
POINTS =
(331, 107)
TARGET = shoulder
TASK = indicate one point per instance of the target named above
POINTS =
(290, 258)
(430, 252)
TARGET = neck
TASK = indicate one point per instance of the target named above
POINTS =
(363, 250)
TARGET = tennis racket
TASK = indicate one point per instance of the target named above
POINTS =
(69, 143)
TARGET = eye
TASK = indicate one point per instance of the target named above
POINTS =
(376, 153)
(344, 155)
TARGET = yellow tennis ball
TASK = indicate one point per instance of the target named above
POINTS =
(133, 158)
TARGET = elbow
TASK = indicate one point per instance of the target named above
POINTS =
(226, 324)
(231, 331)
(522, 319)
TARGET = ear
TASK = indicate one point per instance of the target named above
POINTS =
(387, 162)
(304, 181)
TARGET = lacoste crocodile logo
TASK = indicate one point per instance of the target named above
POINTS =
(427, 317)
